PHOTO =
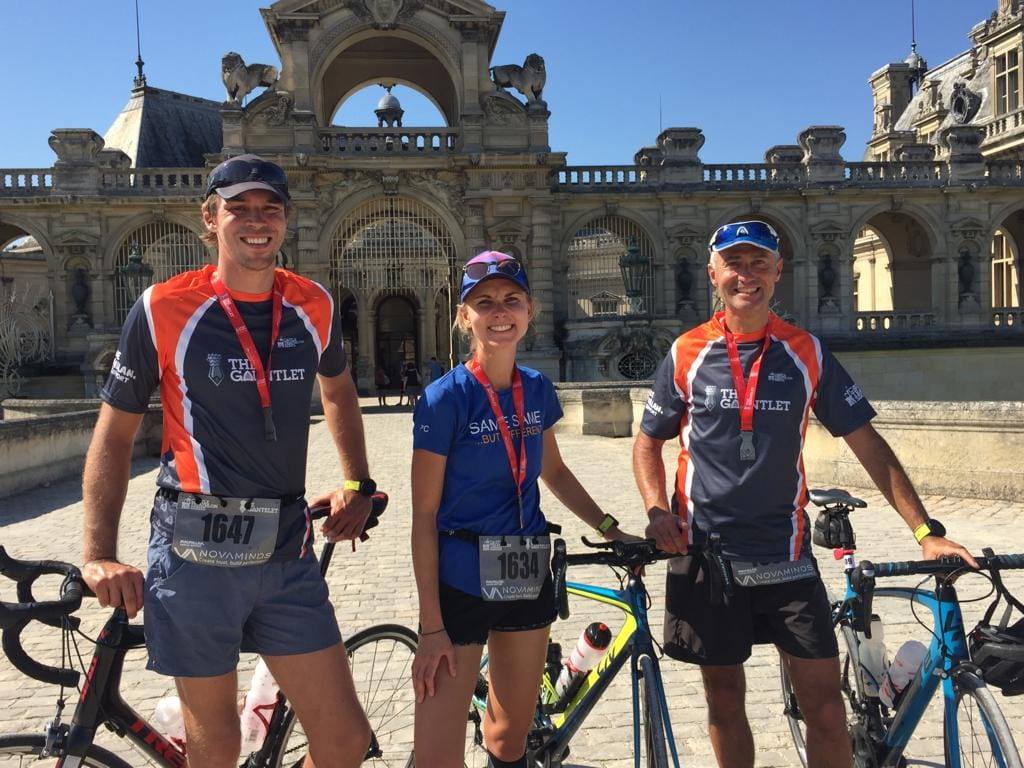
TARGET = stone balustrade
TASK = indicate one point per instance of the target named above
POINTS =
(894, 322)
(901, 172)
(1001, 124)
(156, 181)
(389, 141)
(579, 177)
(1005, 172)
(25, 182)
(1008, 318)
(746, 175)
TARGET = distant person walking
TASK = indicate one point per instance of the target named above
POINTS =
(410, 383)
(381, 380)
(434, 370)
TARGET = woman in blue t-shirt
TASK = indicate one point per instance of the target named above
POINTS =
(482, 437)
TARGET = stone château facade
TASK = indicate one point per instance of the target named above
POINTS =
(917, 246)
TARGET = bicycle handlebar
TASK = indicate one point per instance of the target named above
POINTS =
(615, 554)
(14, 617)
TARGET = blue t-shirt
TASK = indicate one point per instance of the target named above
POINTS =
(453, 418)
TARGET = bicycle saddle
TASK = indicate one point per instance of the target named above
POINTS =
(835, 496)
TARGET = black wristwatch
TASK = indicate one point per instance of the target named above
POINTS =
(930, 527)
(365, 487)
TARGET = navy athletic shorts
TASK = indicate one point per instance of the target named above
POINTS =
(199, 617)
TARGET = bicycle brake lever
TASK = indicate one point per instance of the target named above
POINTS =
(597, 544)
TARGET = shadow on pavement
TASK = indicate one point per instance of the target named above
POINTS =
(386, 409)
(28, 505)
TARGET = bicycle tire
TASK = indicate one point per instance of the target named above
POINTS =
(973, 699)
(25, 748)
(383, 685)
(651, 720)
(850, 689)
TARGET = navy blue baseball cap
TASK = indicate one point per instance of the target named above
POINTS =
(757, 233)
(245, 172)
(490, 264)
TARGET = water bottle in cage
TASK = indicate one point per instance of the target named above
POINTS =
(591, 646)
(872, 658)
(168, 720)
(905, 664)
(259, 706)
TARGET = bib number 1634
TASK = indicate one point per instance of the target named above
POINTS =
(519, 564)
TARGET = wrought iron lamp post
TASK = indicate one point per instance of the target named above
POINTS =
(635, 268)
(137, 274)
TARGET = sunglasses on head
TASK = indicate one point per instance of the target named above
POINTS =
(240, 171)
(478, 269)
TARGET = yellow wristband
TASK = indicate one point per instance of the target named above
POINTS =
(921, 531)
(351, 485)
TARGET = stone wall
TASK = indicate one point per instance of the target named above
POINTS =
(970, 449)
(42, 449)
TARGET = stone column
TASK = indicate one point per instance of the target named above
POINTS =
(544, 355)
(428, 342)
(367, 352)
(475, 242)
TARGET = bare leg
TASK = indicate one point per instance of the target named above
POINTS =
(440, 730)
(725, 689)
(515, 664)
(210, 709)
(320, 689)
(816, 684)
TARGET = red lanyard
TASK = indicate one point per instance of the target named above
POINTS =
(249, 347)
(746, 390)
(519, 400)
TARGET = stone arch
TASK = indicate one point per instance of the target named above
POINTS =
(9, 224)
(1005, 239)
(375, 81)
(167, 245)
(872, 272)
(785, 300)
(913, 242)
(399, 55)
(594, 281)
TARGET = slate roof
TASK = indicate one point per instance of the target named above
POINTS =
(166, 129)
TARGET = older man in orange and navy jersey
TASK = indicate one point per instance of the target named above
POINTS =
(234, 349)
(738, 392)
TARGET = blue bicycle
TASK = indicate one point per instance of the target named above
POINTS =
(974, 728)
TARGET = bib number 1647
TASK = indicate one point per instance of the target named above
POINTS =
(219, 527)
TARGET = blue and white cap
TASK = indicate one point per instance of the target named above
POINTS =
(757, 233)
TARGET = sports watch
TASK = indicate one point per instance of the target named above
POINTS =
(607, 523)
(930, 527)
(365, 487)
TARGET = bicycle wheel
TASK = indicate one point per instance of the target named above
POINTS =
(853, 696)
(24, 749)
(979, 735)
(651, 720)
(381, 662)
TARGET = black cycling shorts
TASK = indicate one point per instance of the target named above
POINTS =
(796, 616)
(468, 619)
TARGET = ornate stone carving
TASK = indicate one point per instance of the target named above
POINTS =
(390, 182)
(965, 103)
(963, 143)
(528, 79)
(385, 14)
(966, 273)
(784, 154)
(448, 187)
(240, 78)
(75, 146)
(502, 109)
(80, 291)
(343, 184)
(822, 143)
(270, 108)
(354, 24)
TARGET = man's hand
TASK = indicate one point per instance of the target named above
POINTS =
(115, 584)
(934, 547)
(668, 530)
(349, 513)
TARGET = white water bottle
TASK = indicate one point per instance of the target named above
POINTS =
(168, 720)
(872, 658)
(905, 664)
(259, 706)
(593, 642)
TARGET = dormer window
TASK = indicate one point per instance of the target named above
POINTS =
(1007, 82)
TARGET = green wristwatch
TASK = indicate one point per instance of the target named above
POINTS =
(607, 523)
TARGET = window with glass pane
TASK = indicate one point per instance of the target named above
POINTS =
(1007, 82)
(1005, 287)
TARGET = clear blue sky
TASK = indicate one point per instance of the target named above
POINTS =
(750, 73)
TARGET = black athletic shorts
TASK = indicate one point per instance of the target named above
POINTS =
(796, 616)
(469, 618)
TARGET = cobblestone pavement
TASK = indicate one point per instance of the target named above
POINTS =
(375, 585)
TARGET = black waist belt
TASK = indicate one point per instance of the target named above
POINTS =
(172, 495)
(473, 537)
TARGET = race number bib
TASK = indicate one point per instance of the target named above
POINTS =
(513, 567)
(225, 532)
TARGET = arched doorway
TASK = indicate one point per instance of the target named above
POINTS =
(872, 272)
(396, 335)
(594, 277)
(167, 247)
(904, 242)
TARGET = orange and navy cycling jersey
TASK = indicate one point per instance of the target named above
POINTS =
(756, 507)
(177, 337)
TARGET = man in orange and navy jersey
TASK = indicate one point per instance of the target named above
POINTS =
(738, 392)
(234, 349)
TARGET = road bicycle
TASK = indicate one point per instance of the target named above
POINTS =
(555, 723)
(974, 729)
(380, 658)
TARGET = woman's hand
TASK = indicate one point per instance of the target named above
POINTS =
(434, 651)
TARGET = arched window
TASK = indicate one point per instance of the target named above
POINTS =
(166, 247)
(392, 244)
(594, 277)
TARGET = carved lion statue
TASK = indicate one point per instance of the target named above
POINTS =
(240, 78)
(528, 79)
